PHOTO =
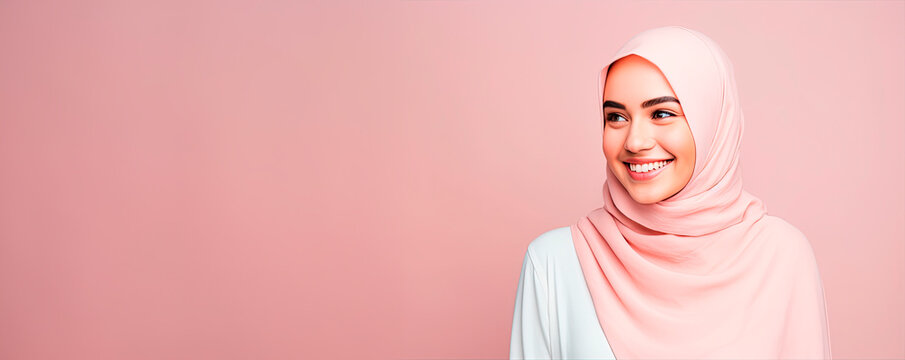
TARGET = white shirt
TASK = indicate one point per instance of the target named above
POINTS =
(554, 316)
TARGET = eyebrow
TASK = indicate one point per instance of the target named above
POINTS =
(645, 104)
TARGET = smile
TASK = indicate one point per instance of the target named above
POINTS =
(646, 171)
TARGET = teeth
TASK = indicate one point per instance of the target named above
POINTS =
(642, 168)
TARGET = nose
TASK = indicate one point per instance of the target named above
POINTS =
(640, 137)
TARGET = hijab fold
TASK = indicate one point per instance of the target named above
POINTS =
(705, 273)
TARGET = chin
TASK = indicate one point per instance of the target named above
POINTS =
(645, 199)
(645, 196)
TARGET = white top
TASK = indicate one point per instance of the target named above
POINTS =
(554, 316)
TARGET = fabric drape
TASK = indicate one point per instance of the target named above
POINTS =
(706, 273)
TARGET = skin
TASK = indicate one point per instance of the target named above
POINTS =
(659, 131)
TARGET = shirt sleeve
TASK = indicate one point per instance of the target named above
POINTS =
(808, 336)
(530, 322)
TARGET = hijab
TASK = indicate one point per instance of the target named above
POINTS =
(705, 273)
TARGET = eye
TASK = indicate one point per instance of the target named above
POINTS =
(667, 113)
(613, 118)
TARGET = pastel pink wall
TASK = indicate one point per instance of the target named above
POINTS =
(236, 180)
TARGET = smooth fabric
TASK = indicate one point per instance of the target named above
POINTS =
(705, 273)
(554, 317)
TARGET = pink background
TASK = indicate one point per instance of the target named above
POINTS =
(237, 180)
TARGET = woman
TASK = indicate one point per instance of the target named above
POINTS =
(680, 262)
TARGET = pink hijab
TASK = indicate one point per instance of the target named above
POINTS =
(706, 273)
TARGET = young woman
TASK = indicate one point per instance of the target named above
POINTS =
(680, 262)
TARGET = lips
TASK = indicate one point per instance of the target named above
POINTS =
(643, 176)
(644, 160)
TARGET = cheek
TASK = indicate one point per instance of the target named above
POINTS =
(679, 142)
(612, 143)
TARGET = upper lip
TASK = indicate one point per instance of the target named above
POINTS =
(643, 160)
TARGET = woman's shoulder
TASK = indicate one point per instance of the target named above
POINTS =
(779, 228)
(552, 245)
(788, 241)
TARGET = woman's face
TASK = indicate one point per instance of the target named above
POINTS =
(646, 139)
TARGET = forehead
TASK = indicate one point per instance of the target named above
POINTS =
(635, 79)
